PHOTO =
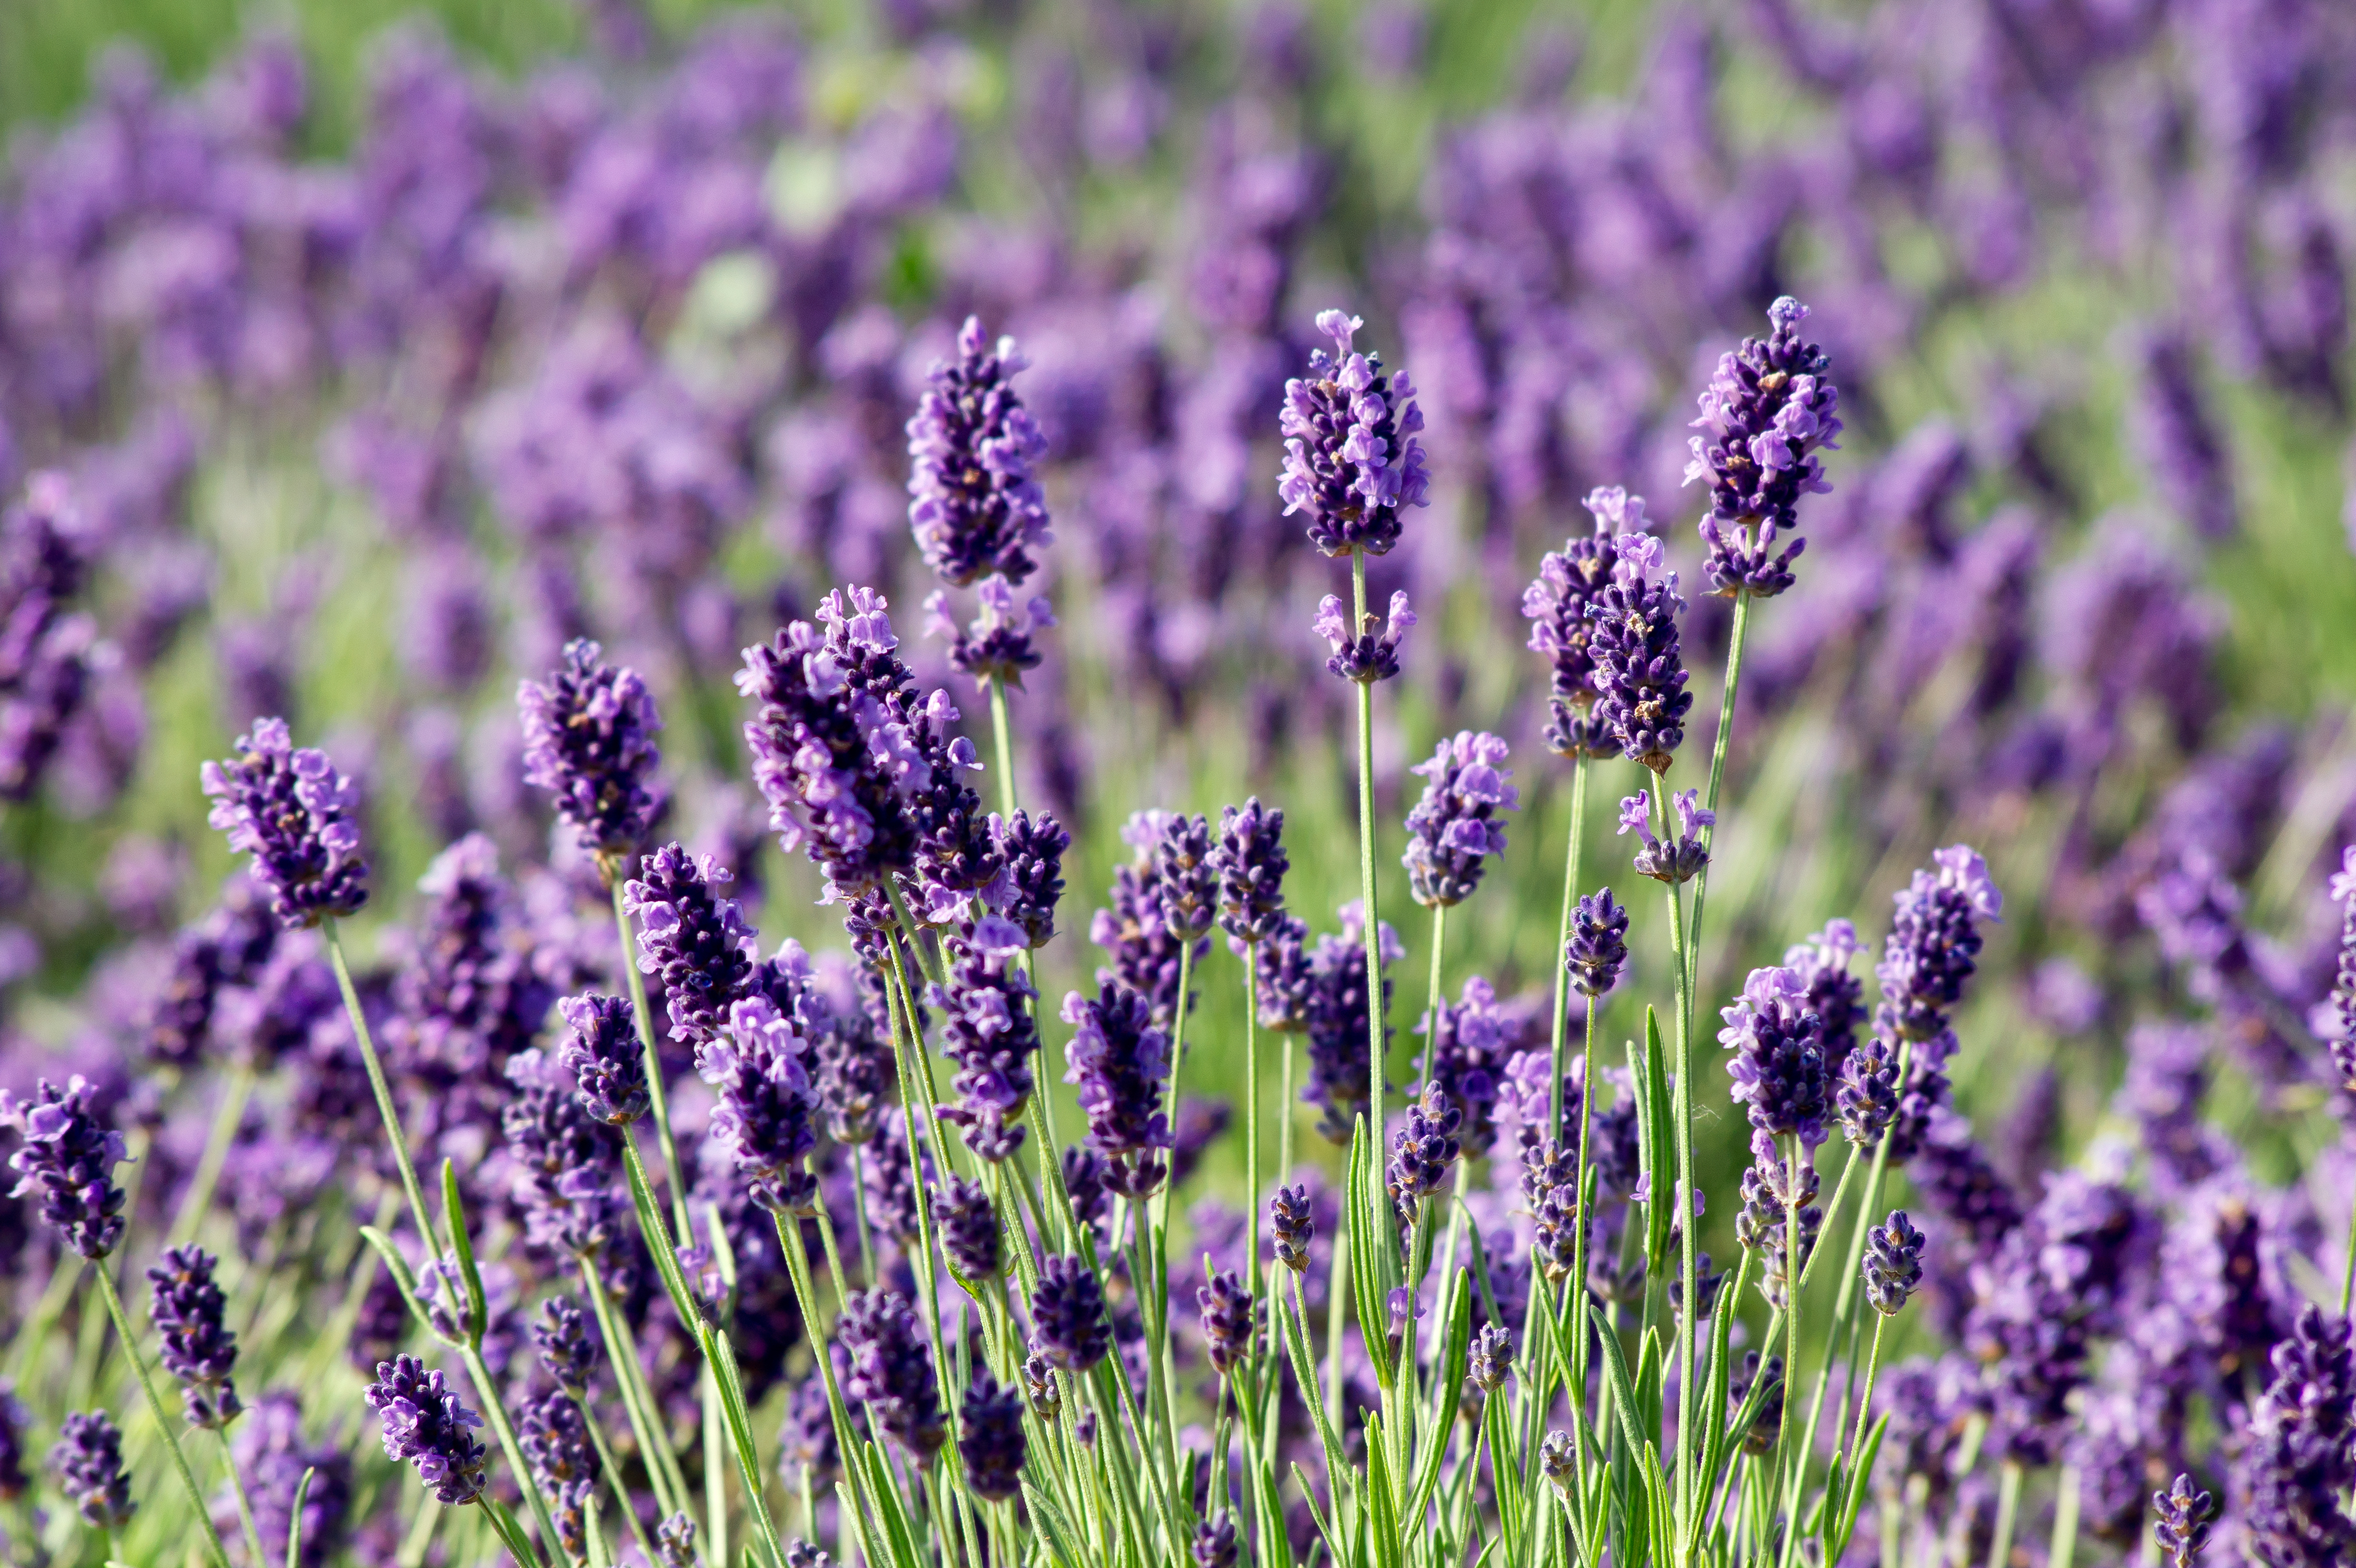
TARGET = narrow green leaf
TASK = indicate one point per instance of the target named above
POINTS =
(1615, 1366)
(1845, 1523)
(294, 1517)
(1371, 1298)
(1317, 1516)
(1052, 1527)
(453, 1217)
(1660, 1133)
(1382, 1503)
(1445, 1388)
(403, 1280)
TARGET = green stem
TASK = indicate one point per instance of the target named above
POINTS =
(383, 1090)
(612, 1469)
(218, 1142)
(1864, 1407)
(657, 1100)
(2008, 1509)
(503, 1430)
(2348, 1279)
(1366, 859)
(622, 1351)
(1735, 640)
(1001, 734)
(1681, 1114)
(1583, 1219)
(244, 1504)
(156, 1407)
(1432, 1012)
(1562, 938)
(2064, 1546)
(1796, 1463)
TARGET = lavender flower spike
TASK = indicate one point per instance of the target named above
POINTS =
(292, 812)
(2298, 1462)
(196, 1350)
(767, 1114)
(88, 1460)
(1251, 863)
(1893, 1264)
(1454, 828)
(1369, 652)
(1766, 413)
(604, 1056)
(892, 1373)
(68, 1156)
(1230, 1318)
(1351, 458)
(975, 506)
(426, 1424)
(1423, 1151)
(1560, 604)
(1032, 850)
(694, 939)
(993, 1443)
(2181, 1521)
(1641, 699)
(1779, 1060)
(1681, 858)
(1291, 1225)
(588, 740)
(1597, 947)
(1934, 943)
(1067, 1315)
(2339, 1022)
(998, 646)
(1119, 1062)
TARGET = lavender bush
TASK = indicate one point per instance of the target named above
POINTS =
(720, 758)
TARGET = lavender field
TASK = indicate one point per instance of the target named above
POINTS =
(976, 783)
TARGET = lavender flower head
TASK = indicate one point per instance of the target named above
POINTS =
(692, 939)
(1779, 1060)
(1766, 413)
(1230, 1318)
(1185, 877)
(1560, 604)
(1835, 995)
(427, 1425)
(1893, 1264)
(1475, 1039)
(998, 646)
(1867, 1098)
(1454, 828)
(1032, 850)
(1251, 863)
(675, 1542)
(88, 1460)
(1339, 1036)
(992, 1443)
(1068, 1326)
(892, 1372)
(1681, 858)
(1641, 699)
(588, 740)
(13, 1421)
(2299, 1462)
(1598, 948)
(968, 1230)
(604, 1056)
(69, 1158)
(988, 1030)
(1214, 1544)
(564, 1461)
(1934, 943)
(767, 1118)
(2181, 1517)
(1119, 1062)
(974, 504)
(292, 812)
(566, 1351)
(1292, 1225)
(1368, 652)
(2341, 1023)
(196, 1350)
(1423, 1151)
(1351, 458)
(567, 1162)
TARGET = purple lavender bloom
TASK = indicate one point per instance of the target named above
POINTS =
(2342, 1017)
(273, 1457)
(88, 1460)
(1032, 849)
(1230, 1318)
(1351, 458)
(1598, 948)
(1291, 1225)
(47, 651)
(466, 995)
(1214, 1544)
(196, 1350)
(968, 1230)
(227, 947)
(1288, 989)
(2184, 445)
(1068, 1326)
(1560, 604)
(988, 1030)
(1476, 1038)
(993, 1443)
(1954, 1176)
(1773, 1189)
(604, 1056)
(1490, 1360)
(1934, 943)
(1867, 1097)
(588, 735)
(292, 812)
(1135, 933)
(892, 1373)
(975, 506)
(1765, 413)
(997, 647)
(1369, 651)
(427, 1425)
(1640, 672)
(1251, 863)
(567, 1162)
(1893, 1264)
(68, 1156)
(2181, 1517)
(1681, 858)
(1185, 877)
(1119, 1061)
(1338, 1034)
(1779, 1060)
(1455, 827)
(1423, 1151)
(691, 937)
(2299, 1462)
(555, 1440)
(767, 1118)
(566, 1351)
(675, 1543)
(14, 1422)
(1835, 996)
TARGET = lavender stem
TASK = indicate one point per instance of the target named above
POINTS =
(383, 1090)
(156, 1407)
(657, 1100)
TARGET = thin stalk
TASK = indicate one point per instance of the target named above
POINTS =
(1681, 1116)
(622, 1351)
(218, 1142)
(1432, 1010)
(715, 1469)
(496, 1413)
(244, 1505)
(1734, 642)
(2348, 1279)
(2008, 1509)
(383, 1090)
(1367, 855)
(1845, 1305)
(156, 1407)
(657, 1100)
(1865, 1406)
(612, 1469)
(2064, 1544)
(1562, 936)
(1796, 1463)
(1583, 1220)
(1001, 734)
(1334, 1289)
